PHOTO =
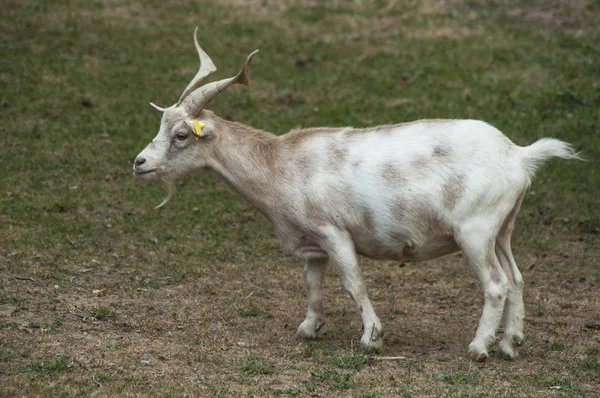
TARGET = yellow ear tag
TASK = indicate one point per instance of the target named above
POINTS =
(198, 126)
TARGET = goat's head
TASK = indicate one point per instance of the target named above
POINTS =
(187, 133)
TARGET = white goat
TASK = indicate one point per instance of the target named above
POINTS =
(406, 192)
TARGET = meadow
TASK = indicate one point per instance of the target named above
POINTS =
(101, 295)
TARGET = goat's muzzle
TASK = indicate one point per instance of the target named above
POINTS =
(138, 170)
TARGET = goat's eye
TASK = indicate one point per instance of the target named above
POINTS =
(182, 136)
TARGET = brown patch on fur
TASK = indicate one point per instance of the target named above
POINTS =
(261, 142)
(314, 213)
(420, 163)
(318, 214)
(336, 156)
(440, 152)
(338, 193)
(391, 173)
(430, 237)
(255, 150)
(496, 301)
(384, 128)
(370, 247)
(297, 137)
(452, 190)
(398, 237)
(436, 227)
(304, 165)
(398, 210)
(436, 224)
(367, 220)
(494, 276)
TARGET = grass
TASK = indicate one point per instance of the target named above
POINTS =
(556, 347)
(250, 312)
(333, 379)
(465, 376)
(75, 80)
(103, 314)
(49, 367)
(257, 366)
(591, 362)
(105, 377)
(352, 361)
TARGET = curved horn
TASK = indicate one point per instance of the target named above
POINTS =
(206, 68)
(202, 96)
(157, 108)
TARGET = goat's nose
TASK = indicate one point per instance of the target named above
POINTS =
(139, 161)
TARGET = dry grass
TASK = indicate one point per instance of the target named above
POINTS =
(200, 337)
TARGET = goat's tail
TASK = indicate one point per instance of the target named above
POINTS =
(535, 154)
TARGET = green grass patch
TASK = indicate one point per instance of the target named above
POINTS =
(105, 377)
(467, 375)
(52, 326)
(291, 391)
(351, 361)
(556, 347)
(335, 380)
(110, 347)
(4, 325)
(372, 395)
(103, 314)
(49, 367)
(591, 364)
(220, 392)
(250, 312)
(257, 366)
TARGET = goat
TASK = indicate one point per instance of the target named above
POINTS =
(407, 192)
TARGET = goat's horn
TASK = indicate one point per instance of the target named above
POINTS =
(202, 96)
(206, 68)
(157, 108)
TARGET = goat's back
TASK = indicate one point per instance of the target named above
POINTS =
(393, 186)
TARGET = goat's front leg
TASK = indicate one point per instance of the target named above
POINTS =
(314, 275)
(343, 256)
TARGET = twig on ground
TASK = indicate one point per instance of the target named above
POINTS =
(96, 381)
(389, 358)
(22, 278)
(71, 241)
(542, 322)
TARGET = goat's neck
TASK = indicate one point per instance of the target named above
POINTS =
(244, 158)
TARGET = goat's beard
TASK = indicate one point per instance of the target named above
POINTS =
(170, 187)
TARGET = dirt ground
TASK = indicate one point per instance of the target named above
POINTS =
(230, 331)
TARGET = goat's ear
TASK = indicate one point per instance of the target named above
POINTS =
(157, 108)
(197, 128)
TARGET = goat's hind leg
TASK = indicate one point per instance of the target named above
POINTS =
(514, 310)
(314, 275)
(478, 245)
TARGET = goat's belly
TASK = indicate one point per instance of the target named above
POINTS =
(407, 251)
